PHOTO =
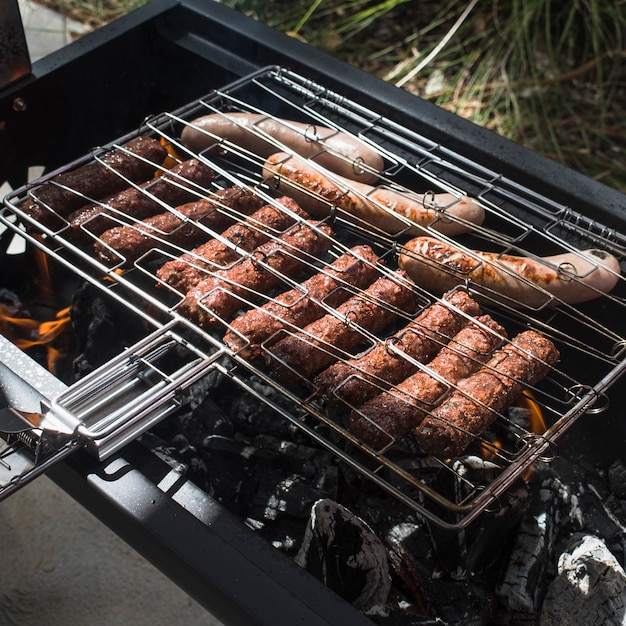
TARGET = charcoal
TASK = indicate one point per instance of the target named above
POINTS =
(617, 478)
(528, 565)
(342, 551)
(102, 327)
(590, 587)
(409, 549)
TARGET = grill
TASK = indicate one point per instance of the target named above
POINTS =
(531, 208)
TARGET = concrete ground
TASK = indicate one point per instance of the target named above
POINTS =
(62, 567)
(59, 565)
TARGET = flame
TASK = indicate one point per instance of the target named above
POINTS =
(27, 333)
(536, 425)
(172, 157)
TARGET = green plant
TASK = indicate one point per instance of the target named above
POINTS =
(549, 74)
(546, 73)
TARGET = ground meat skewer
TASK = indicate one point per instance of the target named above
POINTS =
(320, 343)
(219, 296)
(188, 270)
(169, 189)
(136, 160)
(396, 413)
(481, 397)
(420, 340)
(216, 214)
(302, 305)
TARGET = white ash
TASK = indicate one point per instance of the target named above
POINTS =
(521, 588)
(590, 587)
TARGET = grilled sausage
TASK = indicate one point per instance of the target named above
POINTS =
(136, 160)
(320, 343)
(262, 135)
(220, 295)
(396, 413)
(380, 207)
(188, 270)
(483, 396)
(303, 304)
(184, 182)
(128, 243)
(569, 278)
(359, 379)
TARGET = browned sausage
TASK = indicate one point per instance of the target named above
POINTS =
(220, 295)
(569, 278)
(379, 207)
(483, 396)
(396, 413)
(136, 160)
(299, 356)
(187, 271)
(128, 243)
(263, 135)
(357, 380)
(184, 182)
(303, 304)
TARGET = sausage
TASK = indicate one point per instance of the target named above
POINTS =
(320, 343)
(570, 278)
(220, 295)
(396, 413)
(127, 243)
(184, 182)
(262, 135)
(483, 396)
(359, 379)
(303, 304)
(188, 270)
(379, 206)
(136, 160)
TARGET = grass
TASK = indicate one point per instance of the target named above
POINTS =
(549, 74)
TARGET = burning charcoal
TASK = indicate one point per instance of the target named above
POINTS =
(343, 552)
(590, 587)
(551, 508)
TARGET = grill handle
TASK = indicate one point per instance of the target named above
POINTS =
(105, 410)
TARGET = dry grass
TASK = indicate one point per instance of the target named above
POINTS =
(549, 74)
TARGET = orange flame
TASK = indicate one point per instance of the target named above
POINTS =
(26, 332)
(37, 333)
(536, 425)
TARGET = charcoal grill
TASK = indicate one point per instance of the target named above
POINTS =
(532, 206)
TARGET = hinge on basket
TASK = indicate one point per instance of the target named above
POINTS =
(104, 410)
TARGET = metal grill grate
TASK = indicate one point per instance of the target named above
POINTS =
(518, 221)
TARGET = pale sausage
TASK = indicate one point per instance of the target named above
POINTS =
(263, 135)
(391, 211)
(570, 278)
